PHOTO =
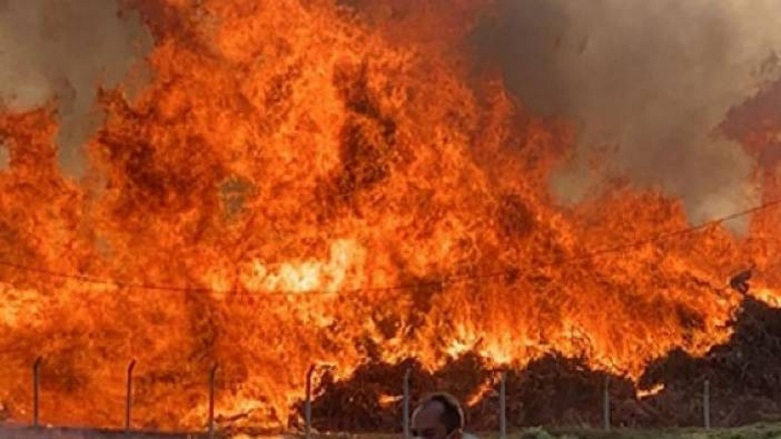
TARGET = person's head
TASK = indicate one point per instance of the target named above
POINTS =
(439, 416)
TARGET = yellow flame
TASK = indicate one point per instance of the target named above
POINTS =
(768, 296)
(386, 400)
(305, 276)
(650, 392)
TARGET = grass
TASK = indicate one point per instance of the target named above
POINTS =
(763, 431)
(759, 431)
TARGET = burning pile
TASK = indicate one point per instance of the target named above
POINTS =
(743, 375)
(319, 181)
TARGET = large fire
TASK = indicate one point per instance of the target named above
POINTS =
(319, 181)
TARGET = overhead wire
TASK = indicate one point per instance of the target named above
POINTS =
(446, 279)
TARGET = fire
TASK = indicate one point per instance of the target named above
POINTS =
(771, 297)
(308, 276)
(650, 392)
(386, 400)
(302, 182)
(487, 388)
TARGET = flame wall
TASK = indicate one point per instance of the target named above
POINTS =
(306, 181)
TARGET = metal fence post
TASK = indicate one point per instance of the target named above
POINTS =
(308, 402)
(36, 390)
(129, 396)
(405, 404)
(606, 404)
(503, 406)
(706, 404)
(212, 379)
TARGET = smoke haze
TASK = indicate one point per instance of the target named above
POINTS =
(63, 49)
(649, 79)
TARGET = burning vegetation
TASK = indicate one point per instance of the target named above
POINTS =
(319, 181)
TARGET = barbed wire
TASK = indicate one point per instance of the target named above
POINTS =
(446, 279)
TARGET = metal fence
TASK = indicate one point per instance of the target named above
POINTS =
(210, 421)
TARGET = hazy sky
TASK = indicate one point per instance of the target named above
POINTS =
(651, 77)
(65, 48)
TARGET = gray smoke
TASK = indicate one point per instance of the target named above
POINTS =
(3, 156)
(651, 79)
(63, 49)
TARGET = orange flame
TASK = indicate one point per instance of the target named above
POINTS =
(650, 392)
(386, 400)
(300, 180)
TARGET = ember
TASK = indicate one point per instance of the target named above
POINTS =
(332, 182)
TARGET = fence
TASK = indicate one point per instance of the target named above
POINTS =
(210, 421)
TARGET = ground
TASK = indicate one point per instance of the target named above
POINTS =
(751, 432)
(766, 431)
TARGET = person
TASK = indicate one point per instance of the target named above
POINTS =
(439, 416)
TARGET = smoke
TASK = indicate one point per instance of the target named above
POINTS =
(4, 158)
(63, 49)
(650, 80)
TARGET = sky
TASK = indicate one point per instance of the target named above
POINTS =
(647, 80)
(63, 49)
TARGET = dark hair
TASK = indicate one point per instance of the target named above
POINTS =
(453, 415)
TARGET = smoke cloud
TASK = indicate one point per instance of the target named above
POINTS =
(649, 79)
(3, 156)
(63, 49)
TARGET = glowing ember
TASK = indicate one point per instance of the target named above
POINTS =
(650, 392)
(327, 276)
(485, 389)
(378, 200)
(768, 296)
(387, 400)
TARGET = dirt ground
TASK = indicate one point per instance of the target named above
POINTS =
(764, 431)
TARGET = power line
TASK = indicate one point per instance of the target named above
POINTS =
(447, 279)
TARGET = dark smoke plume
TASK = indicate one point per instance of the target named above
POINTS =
(62, 49)
(647, 80)
(650, 79)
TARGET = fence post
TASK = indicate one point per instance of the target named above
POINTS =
(606, 403)
(36, 390)
(706, 404)
(212, 381)
(308, 402)
(503, 406)
(129, 396)
(405, 403)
